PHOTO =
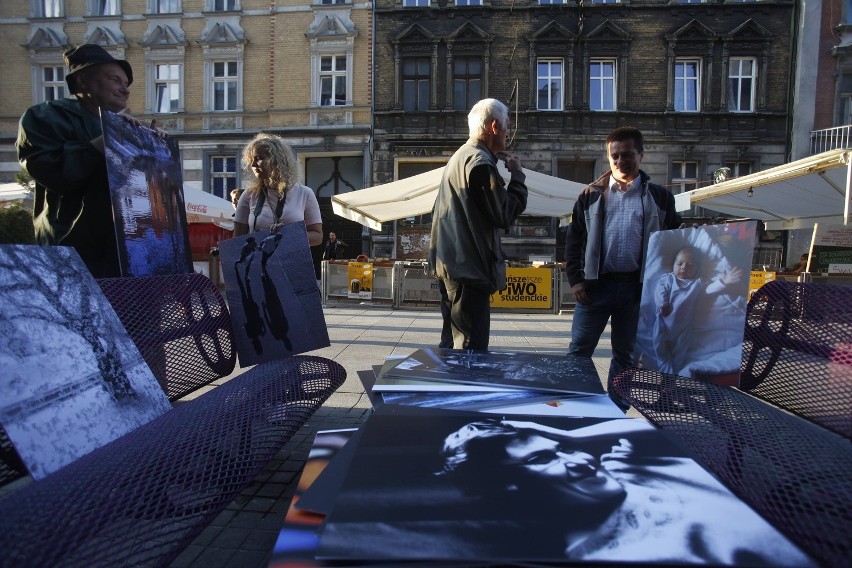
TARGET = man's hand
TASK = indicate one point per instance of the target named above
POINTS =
(513, 162)
(665, 309)
(579, 291)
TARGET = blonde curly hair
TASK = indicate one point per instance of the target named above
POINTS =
(284, 171)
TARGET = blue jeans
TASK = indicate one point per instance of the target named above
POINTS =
(618, 301)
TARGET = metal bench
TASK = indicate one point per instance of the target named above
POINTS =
(781, 441)
(144, 497)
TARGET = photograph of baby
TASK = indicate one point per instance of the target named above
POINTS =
(694, 297)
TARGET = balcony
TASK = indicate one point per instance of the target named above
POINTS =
(837, 138)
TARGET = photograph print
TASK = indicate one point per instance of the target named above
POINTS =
(517, 370)
(693, 307)
(273, 296)
(453, 486)
(146, 183)
(72, 378)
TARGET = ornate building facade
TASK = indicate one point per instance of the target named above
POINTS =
(213, 73)
(709, 84)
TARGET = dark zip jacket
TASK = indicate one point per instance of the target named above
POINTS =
(72, 203)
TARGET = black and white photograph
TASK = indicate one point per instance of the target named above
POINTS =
(445, 485)
(693, 307)
(518, 370)
(146, 183)
(72, 378)
(272, 292)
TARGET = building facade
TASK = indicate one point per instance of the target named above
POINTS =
(709, 84)
(213, 73)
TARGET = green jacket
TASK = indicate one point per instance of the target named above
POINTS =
(472, 205)
(72, 203)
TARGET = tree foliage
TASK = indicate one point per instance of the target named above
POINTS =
(16, 225)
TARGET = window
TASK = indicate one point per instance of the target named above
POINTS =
(416, 83)
(223, 175)
(52, 82)
(225, 5)
(104, 7)
(224, 85)
(332, 78)
(165, 6)
(468, 2)
(606, 1)
(47, 8)
(333, 1)
(415, 3)
(551, 1)
(167, 88)
(684, 176)
(686, 85)
(738, 169)
(549, 84)
(467, 82)
(602, 85)
(741, 83)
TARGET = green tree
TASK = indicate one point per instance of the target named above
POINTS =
(16, 225)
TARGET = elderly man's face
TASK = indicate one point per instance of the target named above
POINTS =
(576, 477)
(106, 86)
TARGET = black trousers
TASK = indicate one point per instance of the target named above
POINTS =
(446, 325)
(470, 315)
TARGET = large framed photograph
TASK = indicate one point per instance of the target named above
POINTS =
(453, 486)
(273, 296)
(693, 307)
(146, 184)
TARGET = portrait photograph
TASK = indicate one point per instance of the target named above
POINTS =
(450, 486)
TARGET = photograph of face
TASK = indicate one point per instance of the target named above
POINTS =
(463, 486)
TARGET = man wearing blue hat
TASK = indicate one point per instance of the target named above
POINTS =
(60, 145)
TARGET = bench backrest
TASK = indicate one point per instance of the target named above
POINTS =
(797, 351)
(181, 325)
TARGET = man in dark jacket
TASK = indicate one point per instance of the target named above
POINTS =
(60, 145)
(606, 244)
(472, 205)
(333, 248)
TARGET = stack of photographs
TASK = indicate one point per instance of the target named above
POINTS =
(445, 488)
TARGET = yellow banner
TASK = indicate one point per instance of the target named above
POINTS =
(525, 288)
(360, 280)
(757, 279)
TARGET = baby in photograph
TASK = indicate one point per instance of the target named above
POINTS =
(676, 295)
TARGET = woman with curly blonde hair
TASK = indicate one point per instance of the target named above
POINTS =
(275, 197)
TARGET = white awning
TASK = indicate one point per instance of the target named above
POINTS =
(203, 207)
(549, 196)
(13, 192)
(791, 196)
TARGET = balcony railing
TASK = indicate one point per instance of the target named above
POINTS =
(831, 139)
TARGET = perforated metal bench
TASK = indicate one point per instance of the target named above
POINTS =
(144, 497)
(781, 441)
